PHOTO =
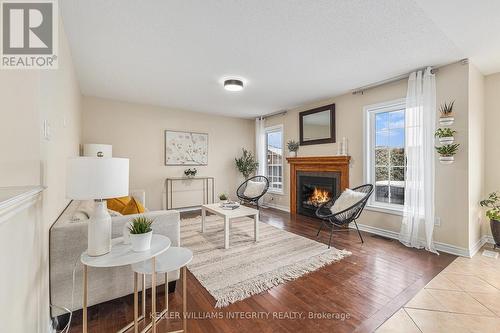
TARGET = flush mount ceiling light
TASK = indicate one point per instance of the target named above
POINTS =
(233, 85)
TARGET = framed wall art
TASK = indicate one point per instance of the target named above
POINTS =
(186, 148)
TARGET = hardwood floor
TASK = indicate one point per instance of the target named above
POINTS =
(356, 294)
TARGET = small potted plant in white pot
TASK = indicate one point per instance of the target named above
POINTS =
(447, 153)
(445, 135)
(293, 147)
(446, 111)
(223, 197)
(141, 233)
(493, 213)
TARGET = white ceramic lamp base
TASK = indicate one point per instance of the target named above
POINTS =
(99, 230)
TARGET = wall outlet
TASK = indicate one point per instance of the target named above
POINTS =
(437, 221)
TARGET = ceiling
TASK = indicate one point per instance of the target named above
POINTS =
(177, 53)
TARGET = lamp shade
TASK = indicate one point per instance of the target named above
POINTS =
(97, 150)
(97, 178)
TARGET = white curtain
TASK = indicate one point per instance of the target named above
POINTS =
(260, 145)
(418, 219)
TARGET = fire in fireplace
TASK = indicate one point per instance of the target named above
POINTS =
(317, 197)
(315, 188)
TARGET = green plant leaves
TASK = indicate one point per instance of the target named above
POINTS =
(293, 145)
(247, 163)
(446, 109)
(141, 225)
(444, 132)
(493, 202)
(448, 150)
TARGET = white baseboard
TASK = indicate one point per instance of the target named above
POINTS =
(443, 247)
(376, 231)
(486, 239)
(474, 248)
(278, 207)
(452, 249)
(489, 239)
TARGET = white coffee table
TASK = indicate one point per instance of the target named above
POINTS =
(241, 211)
(121, 255)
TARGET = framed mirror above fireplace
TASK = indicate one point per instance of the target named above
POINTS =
(317, 126)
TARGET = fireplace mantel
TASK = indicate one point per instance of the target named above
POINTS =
(317, 163)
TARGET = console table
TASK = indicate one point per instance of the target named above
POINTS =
(208, 190)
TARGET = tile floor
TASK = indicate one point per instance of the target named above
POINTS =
(464, 297)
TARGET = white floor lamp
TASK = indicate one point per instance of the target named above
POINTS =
(97, 178)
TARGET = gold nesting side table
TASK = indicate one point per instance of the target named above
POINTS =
(121, 254)
(171, 260)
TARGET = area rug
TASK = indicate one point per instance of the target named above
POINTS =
(248, 268)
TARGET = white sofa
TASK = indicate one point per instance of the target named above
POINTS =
(68, 239)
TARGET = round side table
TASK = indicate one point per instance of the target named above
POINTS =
(122, 255)
(172, 259)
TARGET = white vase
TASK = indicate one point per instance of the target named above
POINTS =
(141, 242)
(99, 230)
(446, 121)
(446, 159)
(292, 154)
(126, 233)
(446, 140)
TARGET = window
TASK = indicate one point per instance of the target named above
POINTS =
(274, 158)
(385, 155)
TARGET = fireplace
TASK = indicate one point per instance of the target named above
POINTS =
(315, 188)
(314, 179)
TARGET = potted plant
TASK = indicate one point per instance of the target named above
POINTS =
(223, 197)
(446, 111)
(141, 233)
(246, 164)
(190, 173)
(447, 153)
(293, 147)
(445, 135)
(493, 202)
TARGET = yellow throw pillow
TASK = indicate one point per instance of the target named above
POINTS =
(133, 207)
(118, 204)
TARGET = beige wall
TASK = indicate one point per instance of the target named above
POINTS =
(29, 97)
(476, 153)
(451, 84)
(492, 137)
(137, 132)
(19, 128)
(452, 180)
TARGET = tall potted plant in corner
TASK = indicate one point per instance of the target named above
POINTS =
(493, 213)
(293, 147)
(246, 164)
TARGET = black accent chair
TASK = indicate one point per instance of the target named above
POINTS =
(240, 192)
(343, 218)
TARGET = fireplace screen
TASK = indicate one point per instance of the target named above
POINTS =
(315, 188)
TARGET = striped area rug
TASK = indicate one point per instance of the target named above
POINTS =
(248, 268)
